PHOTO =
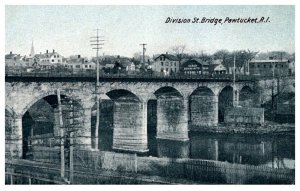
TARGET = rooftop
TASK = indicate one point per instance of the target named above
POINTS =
(268, 61)
(168, 56)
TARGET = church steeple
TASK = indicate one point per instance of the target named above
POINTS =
(32, 50)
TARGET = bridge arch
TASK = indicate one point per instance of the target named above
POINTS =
(246, 96)
(167, 91)
(38, 122)
(43, 95)
(117, 94)
(225, 101)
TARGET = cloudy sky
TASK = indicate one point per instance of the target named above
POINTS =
(67, 29)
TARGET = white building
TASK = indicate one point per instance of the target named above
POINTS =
(53, 57)
(166, 64)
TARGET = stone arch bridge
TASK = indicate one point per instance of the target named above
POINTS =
(180, 102)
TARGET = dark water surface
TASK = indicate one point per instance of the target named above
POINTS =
(276, 151)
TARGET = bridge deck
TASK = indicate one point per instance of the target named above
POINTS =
(88, 77)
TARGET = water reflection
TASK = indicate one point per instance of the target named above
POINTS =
(276, 151)
(273, 151)
(173, 149)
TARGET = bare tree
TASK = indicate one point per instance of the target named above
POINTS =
(178, 50)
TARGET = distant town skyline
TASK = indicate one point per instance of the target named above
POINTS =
(67, 29)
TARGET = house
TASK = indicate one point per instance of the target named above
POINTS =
(166, 64)
(14, 63)
(195, 66)
(52, 57)
(269, 67)
(45, 65)
(129, 66)
(79, 63)
(217, 67)
(12, 56)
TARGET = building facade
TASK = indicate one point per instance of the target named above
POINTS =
(51, 57)
(166, 64)
(269, 67)
(195, 67)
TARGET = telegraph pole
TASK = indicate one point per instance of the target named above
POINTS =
(234, 85)
(273, 96)
(62, 149)
(144, 50)
(97, 43)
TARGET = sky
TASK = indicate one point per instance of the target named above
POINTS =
(68, 29)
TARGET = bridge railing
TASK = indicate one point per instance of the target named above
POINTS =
(141, 75)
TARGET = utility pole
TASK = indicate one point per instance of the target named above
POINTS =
(62, 150)
(144, 50)
(234, 85)
(273, 96)
(97, 43)
(72, 126)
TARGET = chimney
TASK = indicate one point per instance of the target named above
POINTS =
(53, 50)
(47, 51)
(166, 52)
(78, 55)
(10, 52)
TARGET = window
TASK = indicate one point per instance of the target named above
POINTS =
(52, 60)
(85, 66)
(270, 66)
(161, 58)
(281, 65)
(258, 66)
(167, 69)
(175, 65)
(57, 56)
(264, 66)
(162, 70)
(90, 66)
(58, 60)
(54, 56)
(162, 64)
(276, 66)
(77, 66)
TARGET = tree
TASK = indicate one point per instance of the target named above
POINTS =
(178, 50)
(241, 57)
(221, 54)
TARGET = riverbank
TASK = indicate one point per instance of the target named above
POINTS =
(267, 128)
